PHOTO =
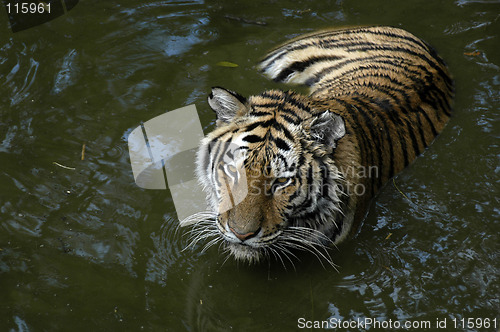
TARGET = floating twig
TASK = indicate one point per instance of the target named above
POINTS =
(83, 151)
(62, 166)
(394, 182)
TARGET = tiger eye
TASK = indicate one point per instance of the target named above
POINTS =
(231, 168)
(282, 180)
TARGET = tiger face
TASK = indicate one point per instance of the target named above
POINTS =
(268, 175)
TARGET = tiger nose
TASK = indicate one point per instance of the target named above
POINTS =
(244, 237)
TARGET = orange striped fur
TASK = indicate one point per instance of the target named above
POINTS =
(378, 97)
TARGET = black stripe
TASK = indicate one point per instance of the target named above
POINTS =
(214, 151)
(283, 159)
(270, 104)
(413, 138)
(218, 178)
(281, 144)
(431, 89)
(299, 66)
(371, 126)
(292, 100)
(291, 120)
(259, 113)
(435, 102)
(253, 126)
(370, 59)
(253, 138)
(431, 125)
(421, 130)
(367, 155)
(206, 159)
(302, 159)
(308, 184)
(216, 138)
(388, 139)
(272, 96)
(269, 123)
(285, 112)
(384, 103)
(325, 173)
(297, 192)
(263, 124)
(284, 130)
(284, 51)
(438, 68)
(218, 150)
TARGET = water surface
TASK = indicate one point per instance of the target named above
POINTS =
(82, 247)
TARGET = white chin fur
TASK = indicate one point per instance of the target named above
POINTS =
(244, 253)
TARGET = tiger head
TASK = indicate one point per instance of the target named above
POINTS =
(268, 172)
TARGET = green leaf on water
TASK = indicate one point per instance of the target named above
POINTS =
(226, 64)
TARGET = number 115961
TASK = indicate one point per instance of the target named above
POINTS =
(28, 8)
(475, 323)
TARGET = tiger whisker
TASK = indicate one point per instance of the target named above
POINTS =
(228, 255)
(210, 244)
(197, 218)
(317, 249)
(286, 253)
(316, 252)
(276, 255)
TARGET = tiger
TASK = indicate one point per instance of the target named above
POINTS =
(285, 171)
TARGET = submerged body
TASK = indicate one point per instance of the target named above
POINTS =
(284, 170)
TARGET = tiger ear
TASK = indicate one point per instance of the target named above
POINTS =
(328, 128)
(226, 103)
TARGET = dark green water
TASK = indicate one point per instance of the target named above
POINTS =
(86, 249)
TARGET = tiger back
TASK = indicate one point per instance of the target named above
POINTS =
(392, 89)
(378, 97)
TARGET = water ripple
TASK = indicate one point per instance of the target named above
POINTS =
(168, 250)
(67, 75)
(21, 93)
